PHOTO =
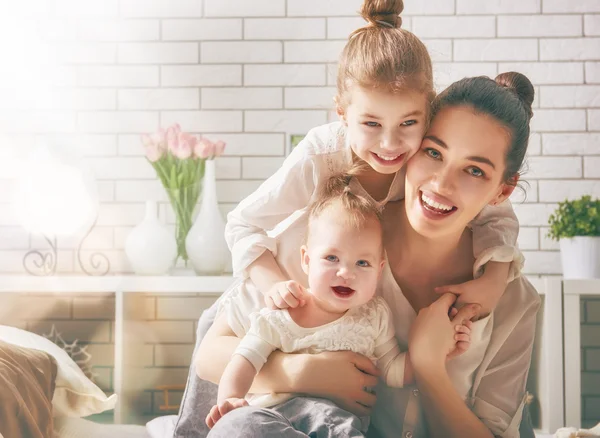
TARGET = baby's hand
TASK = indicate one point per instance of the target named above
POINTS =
(483, 291)
(462, 335)
(286, 294)
(219, 410)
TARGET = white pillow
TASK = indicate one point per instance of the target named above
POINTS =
(162, 427)
(75, 395)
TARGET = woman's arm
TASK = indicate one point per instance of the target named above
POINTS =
(340, 376)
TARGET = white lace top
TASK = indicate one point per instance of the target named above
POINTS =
(367, 330)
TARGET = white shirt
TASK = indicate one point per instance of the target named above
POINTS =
(367, 330)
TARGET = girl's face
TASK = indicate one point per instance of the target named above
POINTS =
(458, 170)
(385, 128)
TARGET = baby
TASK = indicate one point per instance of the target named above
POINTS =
(343, 259)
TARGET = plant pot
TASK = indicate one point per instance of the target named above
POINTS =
(580, 257)
(151, 247)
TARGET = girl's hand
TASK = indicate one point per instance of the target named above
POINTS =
(286, 294)
(462, 336)
(344, 377)
(432, 336)
(219, 410)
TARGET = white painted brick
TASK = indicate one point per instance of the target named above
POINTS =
(201, 75)
(204, 121)
(99, 238)
(445, 73)
(85, 331)
(103, 354)
(529, 239)
(285, 75)
(591, 169)
(159, 98)
(497, 7)
(235, 191)
(312, 51)
(121, 234)
(569, 49)
(591, 25)
(332, 71)
(547, 243)
(431, 7)
(242, 98)
(284, 28)
(307, 8)
(13, 238)
(252, 144)
(62, 99)
(541, 73)
(85, 8)
(164, 332)
(535, 145)
(140, 191)
(158, 53)
(86, 145)
(121, 168)
(551, 6)
(85, 53)
(592, 72)
(292, 122)
(240, 52)
(226, 209)
(202, 29)
(183, 308)
(7, 216)
(526, 192)
(573, 96)
(559, 120)
(118, 31)
(309, 98)
(554, 167)
(542, 262)
(106, 191)
(244, 8)
(533, 214)
(340, 28)
(571, 144)
(173, 355)
(260, 168)
(454, 27)
(439, 50)
(558, 191)
(539, 25)
(117, 122)
(37, 122)
(594, 120)
(51, 29)
(510, 49)
(118, 76)
(161, 8)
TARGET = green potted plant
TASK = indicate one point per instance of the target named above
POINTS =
(576, 225)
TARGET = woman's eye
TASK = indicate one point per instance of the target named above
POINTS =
(363, 263)
(433, 153)
(372, 124)
(476, 172)
(331, 258)
(409, 123)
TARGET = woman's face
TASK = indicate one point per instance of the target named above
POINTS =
(458, 170)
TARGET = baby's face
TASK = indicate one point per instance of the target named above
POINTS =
(343, 263)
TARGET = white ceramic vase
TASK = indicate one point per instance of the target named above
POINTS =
(150, 247)
(580, 257)
(205, 243)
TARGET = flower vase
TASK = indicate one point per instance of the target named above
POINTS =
(151, 247)
(205, 243)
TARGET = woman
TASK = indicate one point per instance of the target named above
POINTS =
(469, 158)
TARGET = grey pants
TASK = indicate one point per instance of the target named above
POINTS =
(295, 418)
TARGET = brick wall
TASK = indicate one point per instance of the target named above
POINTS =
(94, 75)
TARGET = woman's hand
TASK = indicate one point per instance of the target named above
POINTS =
(344, 377)
(433, 337)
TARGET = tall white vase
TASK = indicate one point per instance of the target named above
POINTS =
(150, 247)
(205, 243)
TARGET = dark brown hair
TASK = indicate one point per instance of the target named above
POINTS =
(507, 99)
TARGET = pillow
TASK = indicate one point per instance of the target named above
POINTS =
(26, 387)
(162, 427)
(75, 395)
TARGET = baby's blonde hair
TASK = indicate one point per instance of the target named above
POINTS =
(356, 210)
(382, 54)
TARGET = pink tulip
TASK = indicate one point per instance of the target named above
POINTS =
(153, 151)
(160, 139)
(182, 147)
(219, 148)
(173, 137)
(204, 148)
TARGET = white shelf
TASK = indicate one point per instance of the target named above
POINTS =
(125, 283)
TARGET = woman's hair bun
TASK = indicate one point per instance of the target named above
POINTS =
(520, 85)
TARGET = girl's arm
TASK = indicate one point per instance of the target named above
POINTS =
(340, 376)
(237, 379)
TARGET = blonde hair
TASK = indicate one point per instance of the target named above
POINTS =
(336, 191)
(382, 54)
